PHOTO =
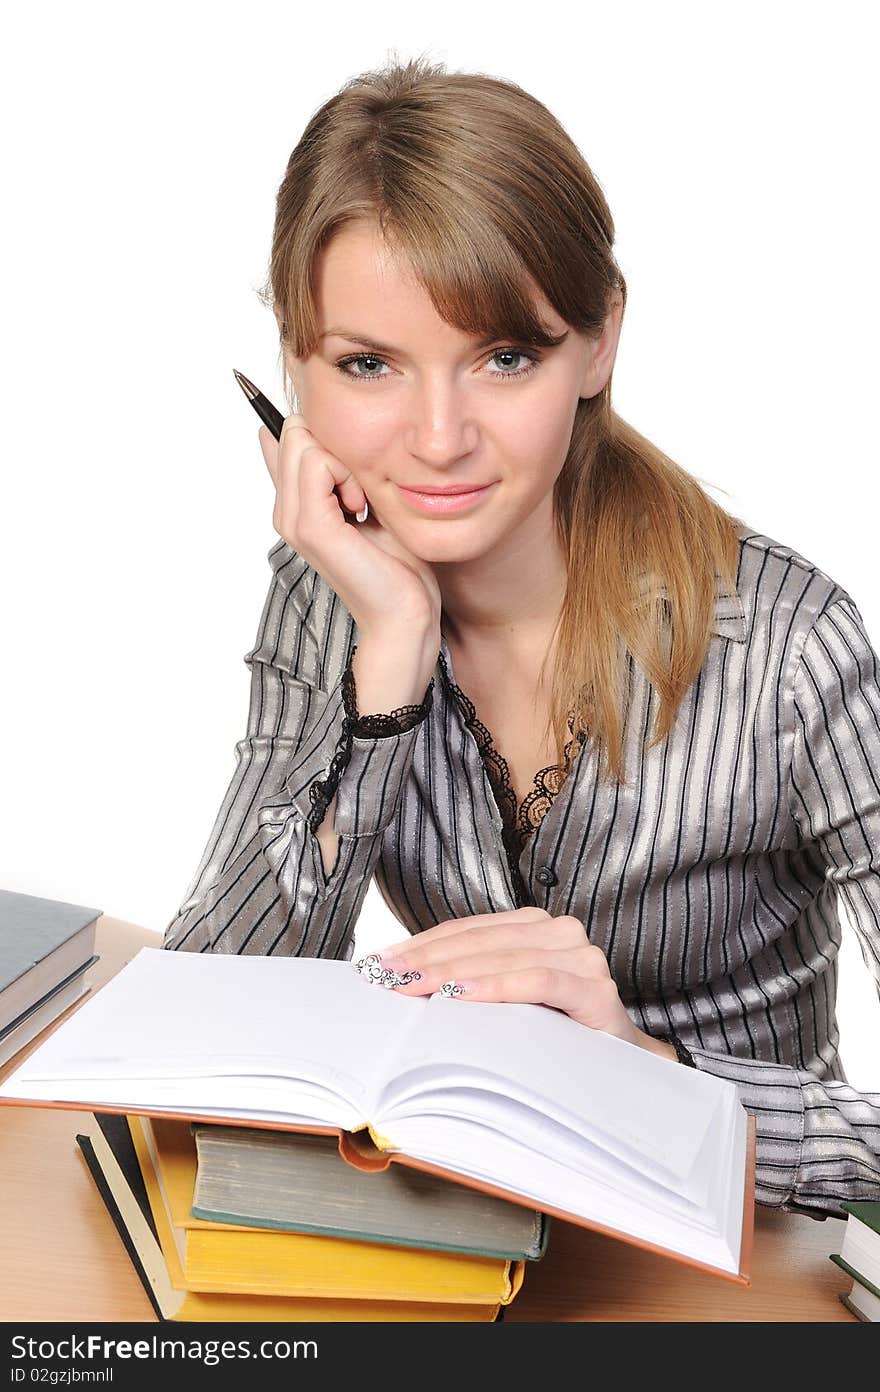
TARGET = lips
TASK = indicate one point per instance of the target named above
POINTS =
(436, 504)
(453, 489)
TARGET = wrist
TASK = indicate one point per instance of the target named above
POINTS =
(392, 671)
(661, 1047)
(401, 630)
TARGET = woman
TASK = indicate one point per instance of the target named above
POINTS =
(605, 747)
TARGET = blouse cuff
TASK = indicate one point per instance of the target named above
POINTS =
(381, 726)
(374, 754)
(772, 1093)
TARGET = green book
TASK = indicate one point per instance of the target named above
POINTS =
(859, 1254)
(856, 1275)
(861, 1303)
(299, 1182)
(866, 1211)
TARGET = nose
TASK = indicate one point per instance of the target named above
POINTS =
(440, 429)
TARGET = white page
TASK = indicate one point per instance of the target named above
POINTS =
(540, 1136)
(704, 1186)
(141, 1038)
(488, 1157)
(288, 1016)
(650, 1105)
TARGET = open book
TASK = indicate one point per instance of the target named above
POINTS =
(517, 1100)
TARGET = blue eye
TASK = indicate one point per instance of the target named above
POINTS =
(531, 358)
(359, 358)
(343, 364)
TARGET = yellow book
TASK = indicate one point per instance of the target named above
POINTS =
(111, 1173)
(205, 1256)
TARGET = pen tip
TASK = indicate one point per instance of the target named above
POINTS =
(247, 387)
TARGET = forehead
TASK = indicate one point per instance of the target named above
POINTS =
(364, 284)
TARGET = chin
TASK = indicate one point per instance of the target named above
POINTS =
(441, 543)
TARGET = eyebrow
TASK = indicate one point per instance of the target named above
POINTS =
(385, 348)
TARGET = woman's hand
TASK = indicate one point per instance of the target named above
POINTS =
(524, 955)
(378, 580)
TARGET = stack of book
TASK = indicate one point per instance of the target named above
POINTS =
(859, 1257)
(513, 1102)
(46, 949)
(236, 1223)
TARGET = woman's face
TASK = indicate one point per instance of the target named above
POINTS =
(432, 408)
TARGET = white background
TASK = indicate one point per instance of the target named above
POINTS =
(736, 145)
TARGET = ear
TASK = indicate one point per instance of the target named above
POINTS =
(603, 350)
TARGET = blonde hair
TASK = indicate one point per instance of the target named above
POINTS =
(476, 184)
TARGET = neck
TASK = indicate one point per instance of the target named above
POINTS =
(509, 597)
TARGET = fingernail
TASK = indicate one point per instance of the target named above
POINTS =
(377, 971)
(456, 988)
(369, 967)
(390, 978)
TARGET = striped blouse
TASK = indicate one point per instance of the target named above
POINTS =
(711, 884)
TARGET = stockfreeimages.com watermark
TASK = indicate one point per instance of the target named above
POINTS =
(96, 1348)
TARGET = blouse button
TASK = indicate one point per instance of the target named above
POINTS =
(546, 876)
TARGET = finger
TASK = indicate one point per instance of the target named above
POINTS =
(269, 446)
(549, 986)
(452, 926)
(327, 473)
(295, 421)
(458, 965)
(495, 942)
(326, 487)
(594, 1003)
(499, 932)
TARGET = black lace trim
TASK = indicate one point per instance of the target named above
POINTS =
(380, 726)
(682, 1052)
(518, 821)
(364, 726)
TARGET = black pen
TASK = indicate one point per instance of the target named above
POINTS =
(269, 414)
(272, 417)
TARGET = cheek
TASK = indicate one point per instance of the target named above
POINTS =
(542, 430)
(348, 432)
(537, 456)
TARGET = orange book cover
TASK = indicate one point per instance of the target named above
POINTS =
(366, 1155)
(331, 997)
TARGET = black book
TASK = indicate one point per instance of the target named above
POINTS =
(111, 1158)
(87, 1148)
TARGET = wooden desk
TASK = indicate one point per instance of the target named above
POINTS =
(61, 1257)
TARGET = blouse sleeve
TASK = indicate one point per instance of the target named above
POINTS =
(818, 1140)
(261, 886)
